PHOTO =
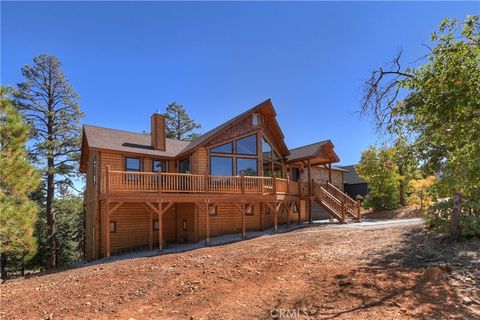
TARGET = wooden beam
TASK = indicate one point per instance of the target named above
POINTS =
(309, 204)
(330, 172)
(207, 222)
(150, 230)
(107, 228)
(288, 207)
(160, 225)
(168, 206)
(244, 226)
(115, 207)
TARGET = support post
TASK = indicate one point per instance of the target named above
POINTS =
(205, 181)
(159, 180)
(274, 183)
(242, 182)
(160, 225)
(330, 173)
(150, 230)
(207, 222)
(288, 207)
(309, 204)
(275, 216)
(342, 211)
(107, 179)
(244, 225)
(299, 212)
(107, 228)
(359, 212)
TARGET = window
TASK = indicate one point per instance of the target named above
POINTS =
(221, 166)
(295, 208)
(159, 164)
(267, 150)
(272, 164)
(132, 164)
(224, 148)
(212, 210)
(113, 226)
(250, 210)
(295, 174)
(156, 225)
(247, 145)
(257, 120)
(184, 165)
(247, 166)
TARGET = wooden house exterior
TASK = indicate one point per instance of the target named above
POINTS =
(145, 191)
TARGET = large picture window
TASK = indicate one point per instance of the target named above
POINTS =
(221, 166)
(224, 148)
(132, 164)
(272, 164)
(247, 167)
(247, 145)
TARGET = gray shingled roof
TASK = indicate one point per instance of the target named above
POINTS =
(126, 141)
(305, 151)
(351, 176)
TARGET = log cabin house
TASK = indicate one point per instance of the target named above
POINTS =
(145, 191)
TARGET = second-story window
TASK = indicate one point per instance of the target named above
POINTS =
(159, 165)
(132, 164)
(184, 165)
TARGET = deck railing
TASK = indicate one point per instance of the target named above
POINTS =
(123, 181)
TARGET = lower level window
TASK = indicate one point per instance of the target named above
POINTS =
(155, 225)
(113, 226)
(250, 210)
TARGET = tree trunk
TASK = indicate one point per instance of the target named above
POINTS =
(3, 263)
(51, 255)
(455, 219)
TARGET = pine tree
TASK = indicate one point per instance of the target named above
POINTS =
(17, 179)
(50, 105)
(179, 124)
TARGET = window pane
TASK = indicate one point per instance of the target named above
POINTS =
(266, 149)
(221, 166)
(247, 166)
(184, 166)
(224, 148)
(247, 145)
(277, 168)
(159, 164)
(132, 164)
(267, 168)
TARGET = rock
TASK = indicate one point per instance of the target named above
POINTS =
(467, 301)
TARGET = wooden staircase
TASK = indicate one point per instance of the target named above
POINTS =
(338, 204)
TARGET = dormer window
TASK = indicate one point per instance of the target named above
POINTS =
(257, 119)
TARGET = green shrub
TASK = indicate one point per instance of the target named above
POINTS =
(438, 219)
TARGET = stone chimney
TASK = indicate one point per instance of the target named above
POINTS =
(158, 131)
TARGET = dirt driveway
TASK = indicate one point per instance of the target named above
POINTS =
(390, 272)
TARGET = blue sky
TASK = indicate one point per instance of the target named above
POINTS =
(126, 60)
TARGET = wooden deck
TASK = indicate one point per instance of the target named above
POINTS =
(135, 183)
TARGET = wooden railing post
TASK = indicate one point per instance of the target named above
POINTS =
(107, 179)
(205, 178)
(159, 180)
(274, 183)
(242, 182)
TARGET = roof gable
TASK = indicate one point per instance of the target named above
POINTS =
(270, 123)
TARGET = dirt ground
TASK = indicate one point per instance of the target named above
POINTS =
(400, 213)
(397, 272)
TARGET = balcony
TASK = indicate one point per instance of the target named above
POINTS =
(151, 182)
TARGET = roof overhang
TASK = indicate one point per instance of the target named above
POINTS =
(323, 155)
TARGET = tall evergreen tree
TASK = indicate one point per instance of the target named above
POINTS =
(49, 103)
(17, 179)
(179, 124)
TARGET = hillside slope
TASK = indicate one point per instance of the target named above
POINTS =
(341, 273)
